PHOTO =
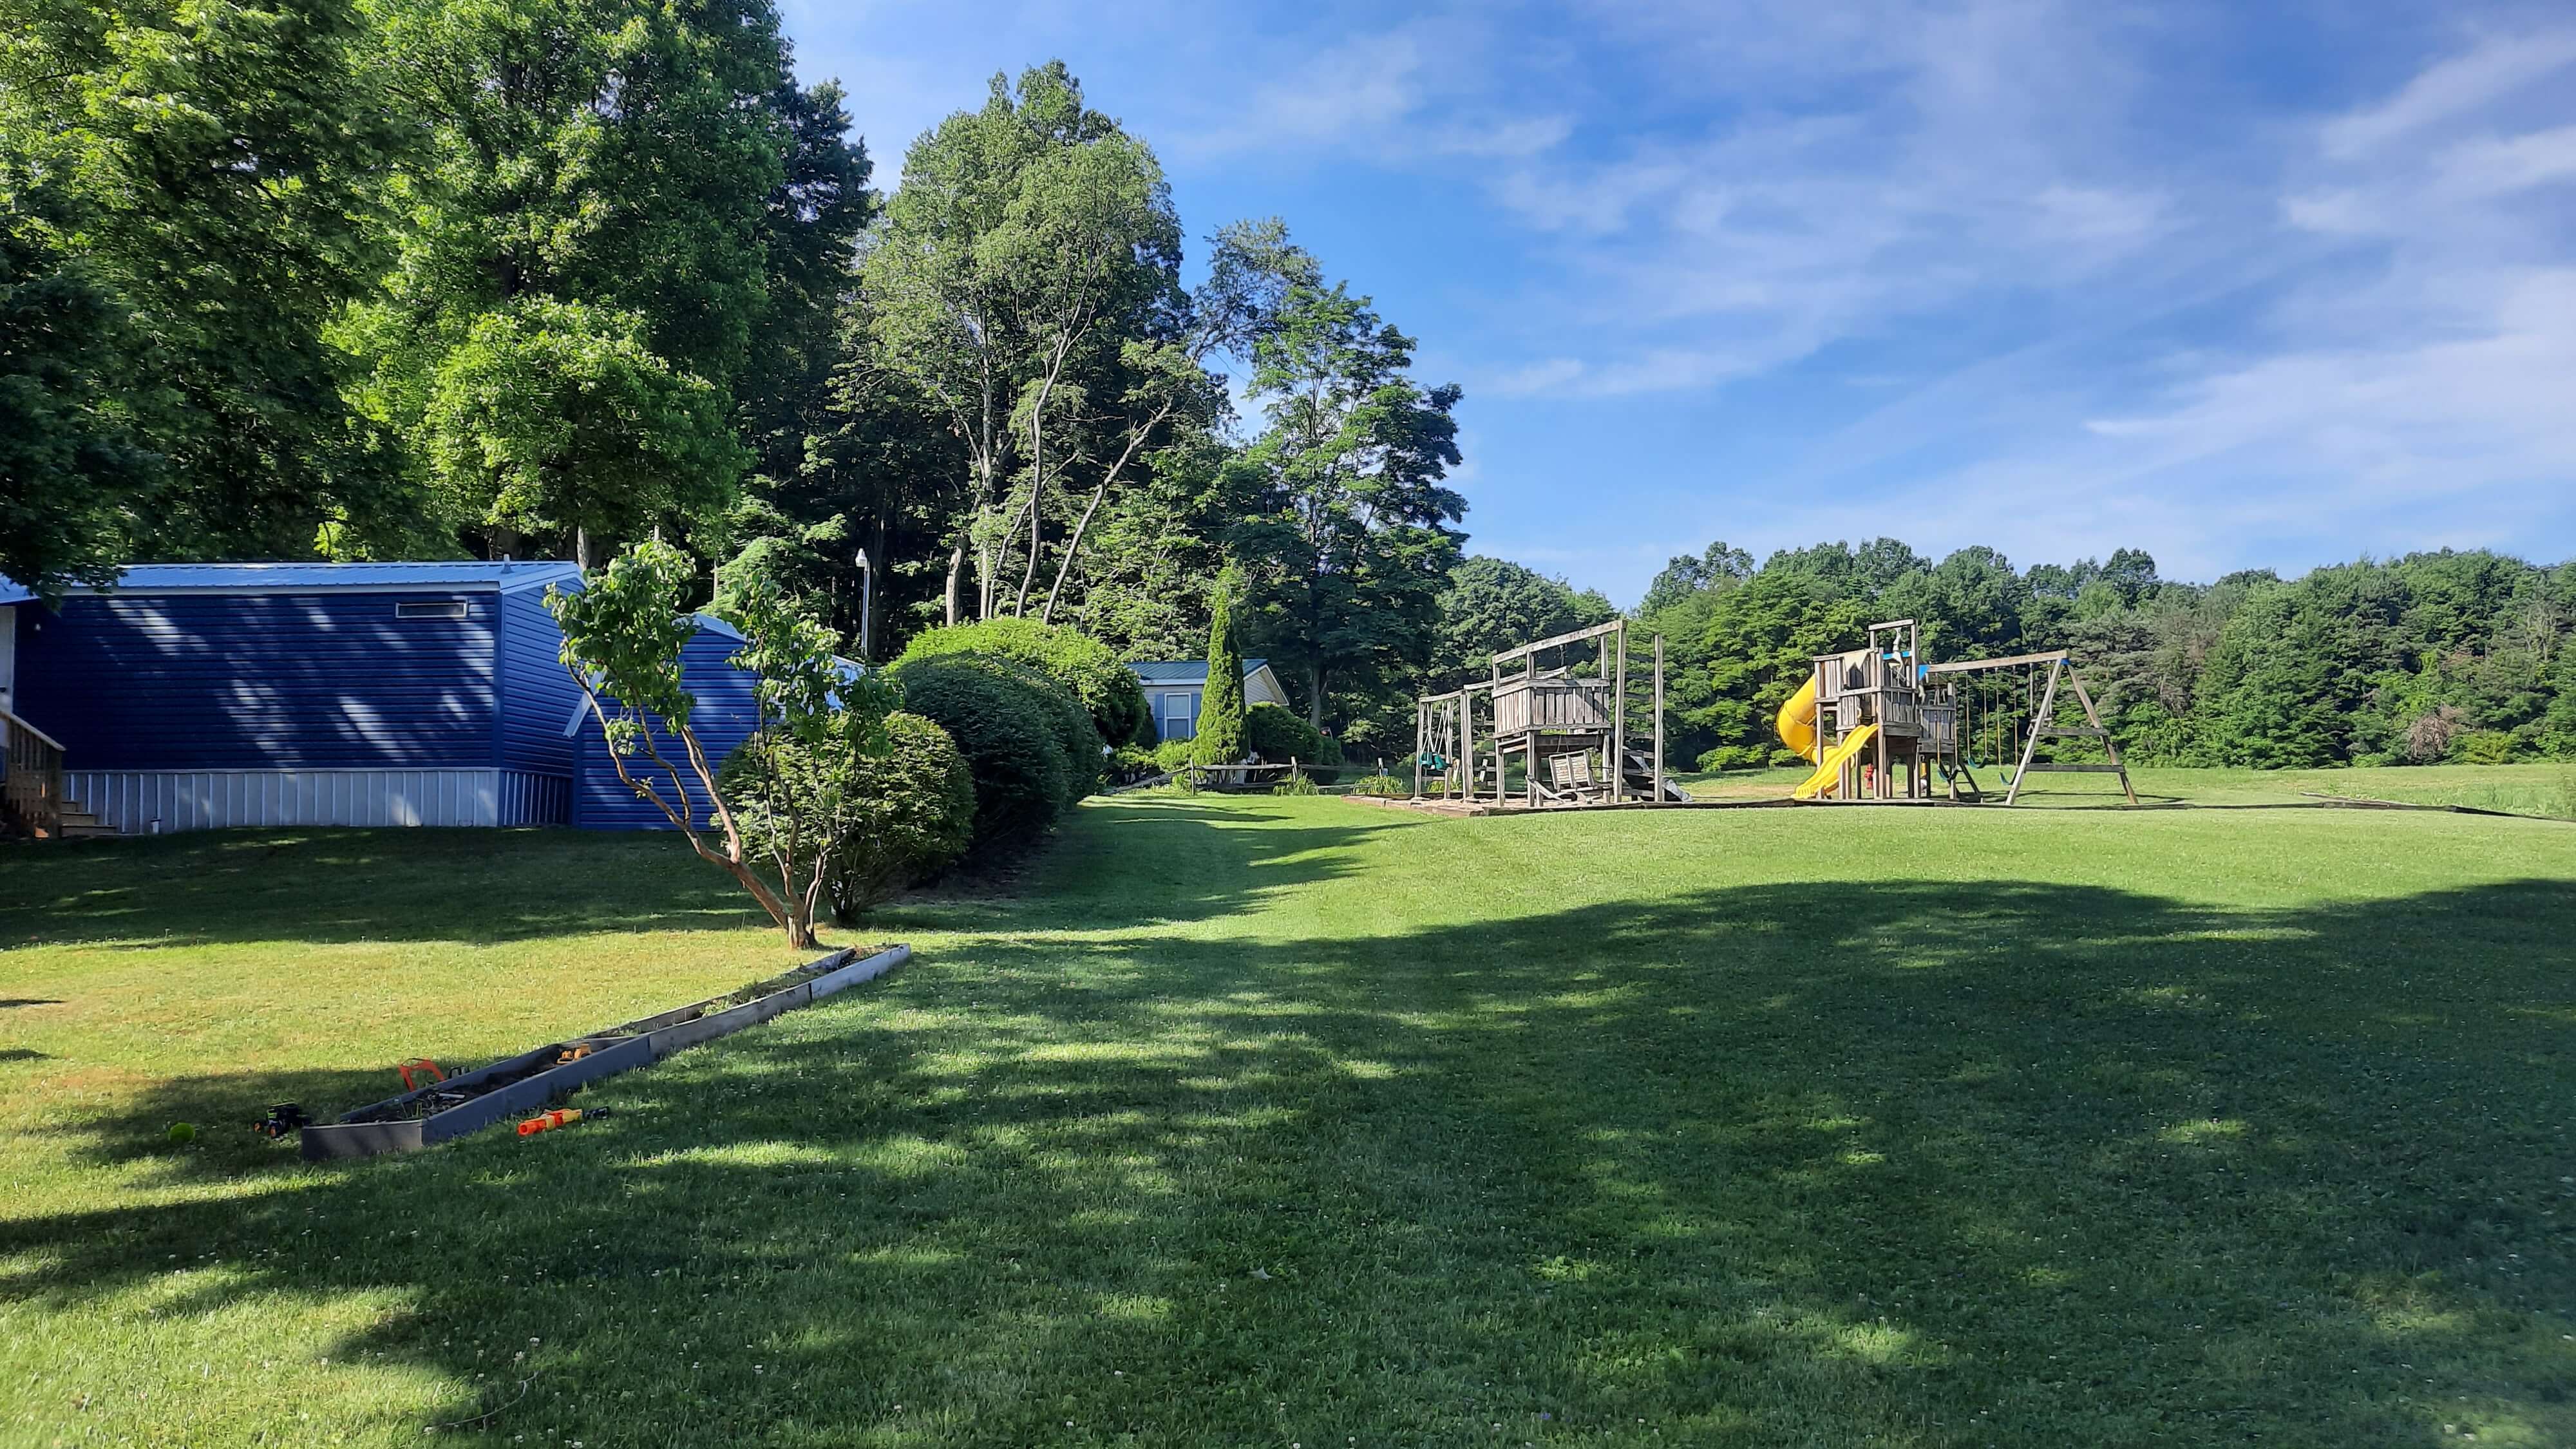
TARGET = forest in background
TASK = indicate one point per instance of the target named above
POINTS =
(366, 279)
(2452, 656)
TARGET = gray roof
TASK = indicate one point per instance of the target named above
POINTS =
(302, 578)
(1184, 671)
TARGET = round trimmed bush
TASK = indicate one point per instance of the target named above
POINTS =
(913, 815)
(1031, 749)
(1106, 688)
(1278, 735)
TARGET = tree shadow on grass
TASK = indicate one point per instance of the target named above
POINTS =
(484, 886)
(2008, 1162)
(359, 885)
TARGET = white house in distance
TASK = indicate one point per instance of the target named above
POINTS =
(1173, 687)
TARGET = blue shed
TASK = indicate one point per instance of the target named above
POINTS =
(196, 696)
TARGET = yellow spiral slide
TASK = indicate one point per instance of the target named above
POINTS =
(1797, 725)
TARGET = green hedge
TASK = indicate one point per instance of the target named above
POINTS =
(1109, 690)
(1278, 735)
(915, 817)
(879, 821)
(1030, 746)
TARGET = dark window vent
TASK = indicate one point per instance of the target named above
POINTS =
(431, 609)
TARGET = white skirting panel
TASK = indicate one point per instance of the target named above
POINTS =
(130, 800)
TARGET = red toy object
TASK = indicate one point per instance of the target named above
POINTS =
(424, 1066)
(559, 1117)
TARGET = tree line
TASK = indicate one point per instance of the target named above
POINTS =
(2448, 656)
(376, 279)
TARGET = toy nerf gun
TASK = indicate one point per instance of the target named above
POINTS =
(559, 1117)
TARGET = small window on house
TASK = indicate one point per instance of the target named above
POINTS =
(431, 609)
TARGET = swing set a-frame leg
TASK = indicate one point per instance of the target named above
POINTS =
(2110, 746)
(2038, 721)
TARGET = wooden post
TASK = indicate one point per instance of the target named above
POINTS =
(2110, 746)
(2038, 721)
(1659, 719)
(1618, 761)
(1421, 736)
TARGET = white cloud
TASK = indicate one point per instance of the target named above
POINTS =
(1848, 182)
(2105, 294)
(1359, 87)
(2411, 391)
(2464, 83)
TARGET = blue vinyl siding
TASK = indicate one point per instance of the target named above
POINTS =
(722, 720)
(143, 681)
(537, 695)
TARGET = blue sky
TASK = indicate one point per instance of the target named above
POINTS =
(2247, 285)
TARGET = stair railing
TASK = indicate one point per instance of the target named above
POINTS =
(31, 777)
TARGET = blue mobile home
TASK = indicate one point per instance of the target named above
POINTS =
(723, 719)
(200, 696)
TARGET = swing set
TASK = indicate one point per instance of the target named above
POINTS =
(1880, 725)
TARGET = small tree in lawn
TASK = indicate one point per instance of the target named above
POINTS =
(1220, 737)
(623, 635)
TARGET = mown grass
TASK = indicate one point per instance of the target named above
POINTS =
(1297, 1121)
(2547, 789)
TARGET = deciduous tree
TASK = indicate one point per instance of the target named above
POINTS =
(1353, 535)
(193, 188)
(622, 637)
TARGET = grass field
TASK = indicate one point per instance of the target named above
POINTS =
(2527, 789)
(1298, 1122)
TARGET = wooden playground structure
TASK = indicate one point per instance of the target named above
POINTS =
(1560, 709)
(1879, 725)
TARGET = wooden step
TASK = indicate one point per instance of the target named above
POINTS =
(75, 822)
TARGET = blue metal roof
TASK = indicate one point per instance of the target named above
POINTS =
(301, 578)
(1184, 671)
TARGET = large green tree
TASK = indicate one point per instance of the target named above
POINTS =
(192, 190)
(1352, 536)
(1031, 242)
(76, 464)
(552, 417)
(644, 162)
(1492, 604)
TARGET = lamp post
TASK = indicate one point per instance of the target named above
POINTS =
(867, 606)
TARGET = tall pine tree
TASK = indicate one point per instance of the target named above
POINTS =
(1220, 736)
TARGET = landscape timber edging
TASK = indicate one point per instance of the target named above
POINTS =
(372, 1130)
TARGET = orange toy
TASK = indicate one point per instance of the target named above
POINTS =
(559, 1117)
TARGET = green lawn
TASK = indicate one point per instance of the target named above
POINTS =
(1299, 1122)
(2525, 789)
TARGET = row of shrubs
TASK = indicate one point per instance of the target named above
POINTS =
(999, 733)
(1004, 726)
